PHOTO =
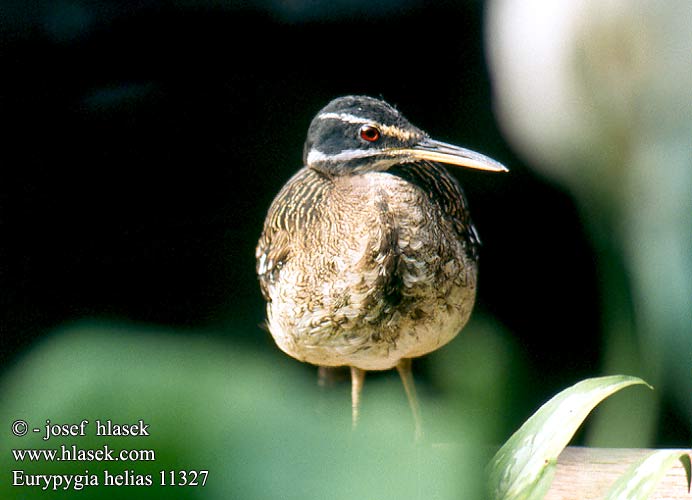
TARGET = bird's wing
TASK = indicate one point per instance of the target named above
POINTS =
(296, 206)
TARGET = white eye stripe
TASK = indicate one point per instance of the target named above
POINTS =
(344, 117)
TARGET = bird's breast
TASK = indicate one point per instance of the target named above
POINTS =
(380, 273)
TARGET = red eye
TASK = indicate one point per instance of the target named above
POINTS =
(369, 133)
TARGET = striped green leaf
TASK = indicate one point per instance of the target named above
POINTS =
(640, 480)
(524, 467)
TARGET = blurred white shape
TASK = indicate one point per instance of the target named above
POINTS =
(575, 79)
(597, 95)
(535, 95)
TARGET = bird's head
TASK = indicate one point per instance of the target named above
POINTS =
(358, 134)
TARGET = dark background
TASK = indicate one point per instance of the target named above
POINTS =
(142, 146)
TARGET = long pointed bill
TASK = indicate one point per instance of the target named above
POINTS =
(432, 150)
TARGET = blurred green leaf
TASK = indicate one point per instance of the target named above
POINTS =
(481, 374)
(640, 480)
(255, 420)
(525, 465)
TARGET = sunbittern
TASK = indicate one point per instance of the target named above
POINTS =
(368, 256)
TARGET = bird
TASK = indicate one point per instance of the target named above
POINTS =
(368, 257)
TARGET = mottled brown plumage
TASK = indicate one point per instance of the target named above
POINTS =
(368, 256)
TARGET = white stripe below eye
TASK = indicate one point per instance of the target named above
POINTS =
(315, 156)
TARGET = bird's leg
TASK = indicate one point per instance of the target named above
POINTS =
(357, 379)
(404, 369)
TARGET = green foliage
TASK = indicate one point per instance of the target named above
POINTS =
(525, 465)
(639, 481)
(262, 429)
(257, 422)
